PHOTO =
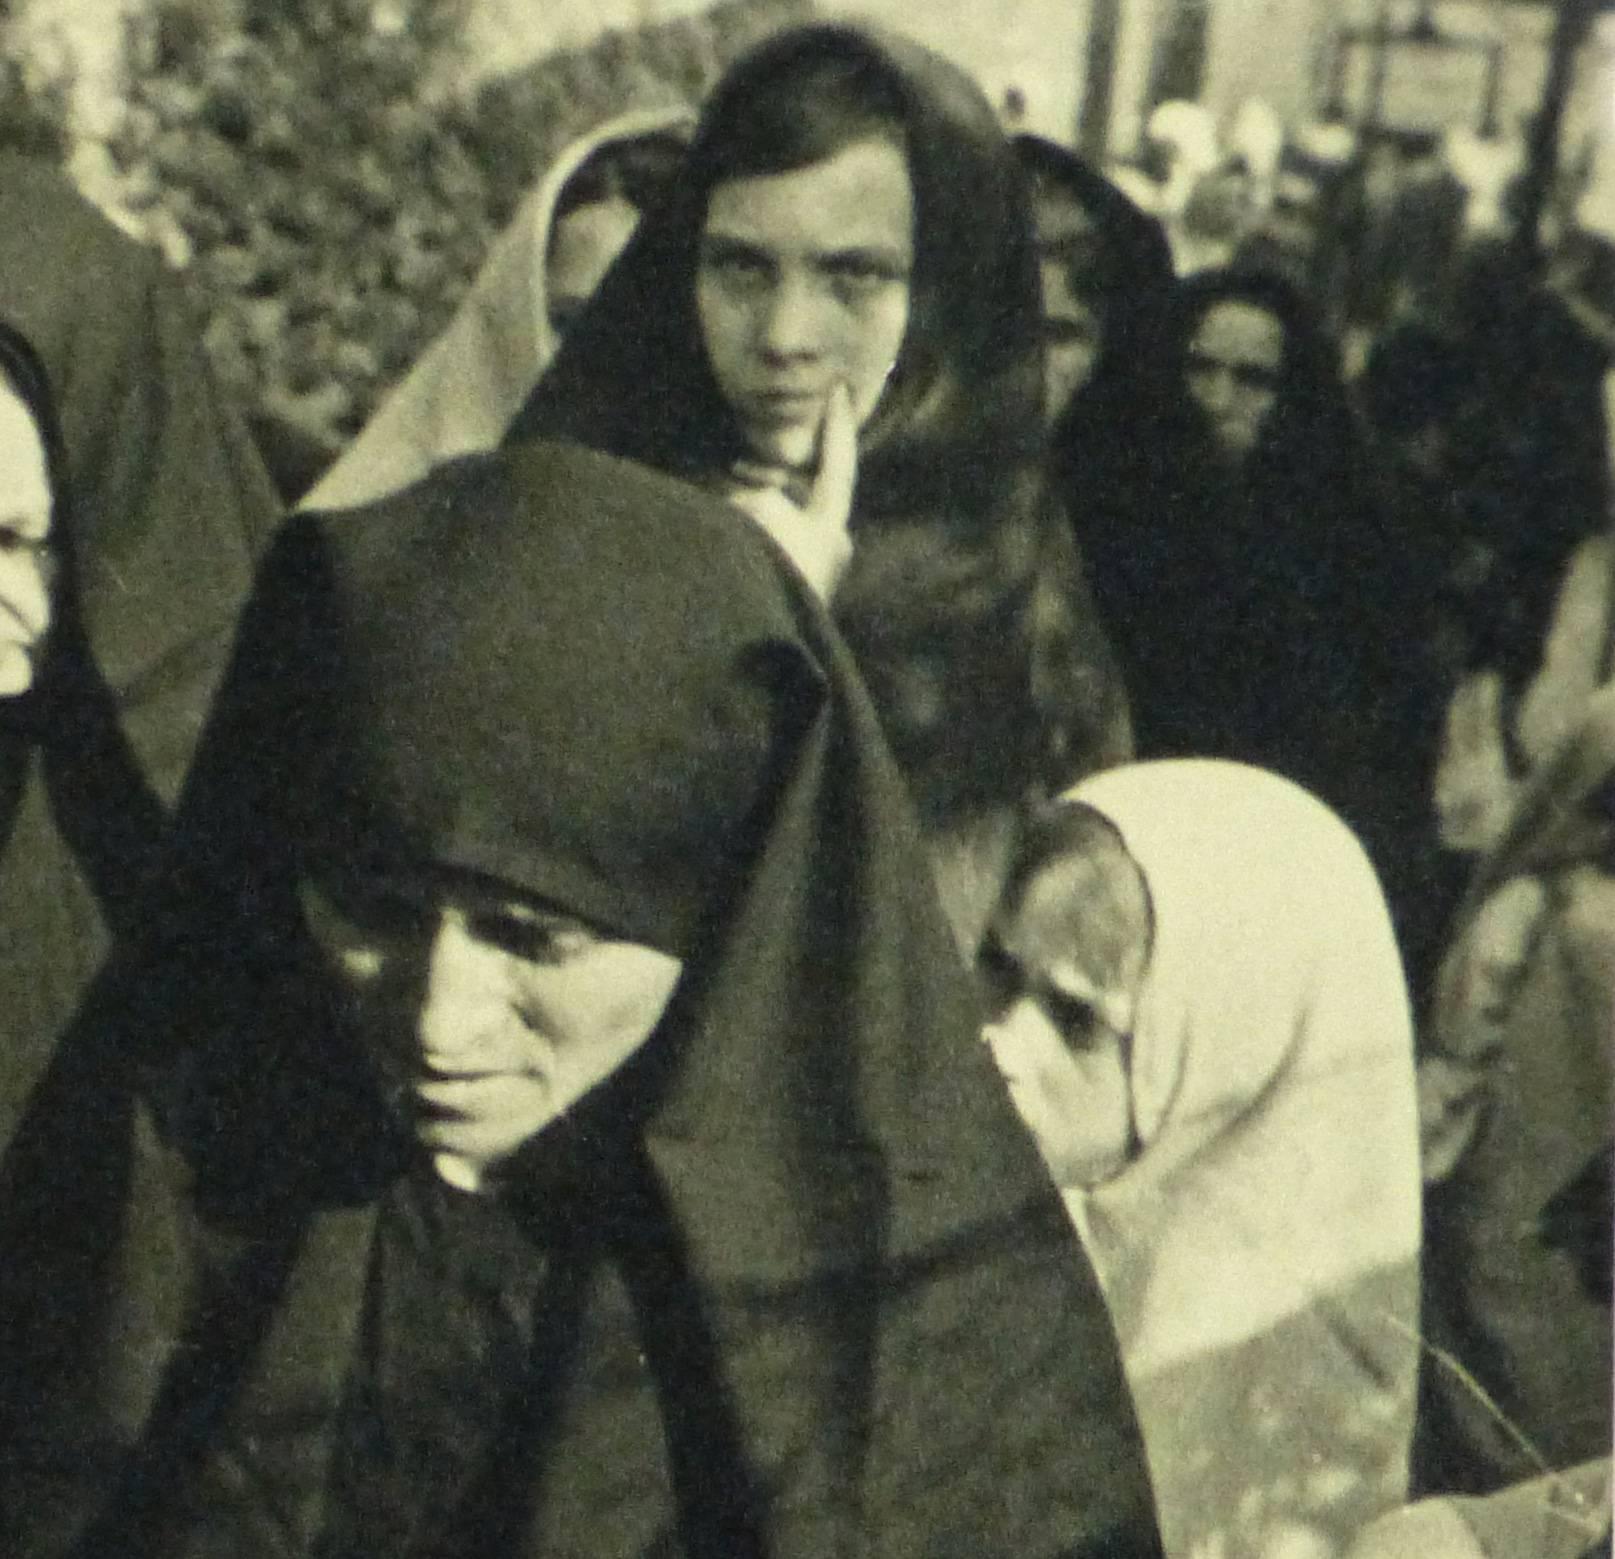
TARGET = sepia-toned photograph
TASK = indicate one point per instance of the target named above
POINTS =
(807, 779)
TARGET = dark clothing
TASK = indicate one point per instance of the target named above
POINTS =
(167, 508)
(791, 1282)
(938, 600)
(1255, 610)
(1516, 1290)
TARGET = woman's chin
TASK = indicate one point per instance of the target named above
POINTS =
(792, 445)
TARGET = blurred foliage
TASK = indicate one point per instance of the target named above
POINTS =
(35, 95)
(332, 190)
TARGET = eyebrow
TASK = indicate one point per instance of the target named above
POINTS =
(899, 260)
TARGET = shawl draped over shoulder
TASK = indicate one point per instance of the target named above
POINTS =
(462, 393)
(164, 507)
(1260, 1252)
(792, 1283)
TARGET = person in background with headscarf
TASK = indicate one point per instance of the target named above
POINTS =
(1106, 272)
(1197, 1002)
(1515, 1091)
(850, 214)
(1248, 585)
(584, 1145)
(163, 506)
(80, 826)
(462, 394)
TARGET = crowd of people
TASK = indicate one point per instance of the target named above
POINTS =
(882, 873)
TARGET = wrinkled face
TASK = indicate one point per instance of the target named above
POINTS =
(803, 283)
(1060, 1033)
(487, 1016)
(583, 245)
(1232, 374)
(25, 558)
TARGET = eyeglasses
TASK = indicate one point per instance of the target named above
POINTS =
(17, 543)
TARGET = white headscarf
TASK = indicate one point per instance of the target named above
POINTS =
(460, 396)
(1260, 1250)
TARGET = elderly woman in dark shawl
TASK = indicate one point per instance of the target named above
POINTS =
(79, 824)
(164, 506)
(850, 213)
(585, 1144)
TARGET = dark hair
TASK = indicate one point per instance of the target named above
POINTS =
(633, 378)
(101, 802)
(1312, 420)
(24, 373)
(1106, 885)
(796, 101)
(948, 500)
(638, 170)
(1122, 263)
(1124, 250)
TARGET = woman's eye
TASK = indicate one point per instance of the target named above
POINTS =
(542, 939)
(15, 542)
(858, 280)
(374, 908)
(738, 269)
(1076, 1019)
(1000, 976)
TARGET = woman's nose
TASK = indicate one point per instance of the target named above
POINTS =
(25, 593)
(790, 324)
(466, 992)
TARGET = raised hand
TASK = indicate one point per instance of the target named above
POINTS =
(813, 534)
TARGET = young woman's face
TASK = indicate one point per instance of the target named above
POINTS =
(487, 1016)
(803, 283)
(1231, 372)
(25, 559)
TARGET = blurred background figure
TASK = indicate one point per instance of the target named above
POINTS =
(1516, 1085)
(461, 395)
(1105, 269)
(1242, 567)
(1195, 997)
(1553, 1514)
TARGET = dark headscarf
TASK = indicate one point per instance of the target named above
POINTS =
(1311, 445)
(1254, 611)
(79, 826)
(170, 502)
(162, 506)
(950, 499)
(797, 1284)
(1124, 263)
